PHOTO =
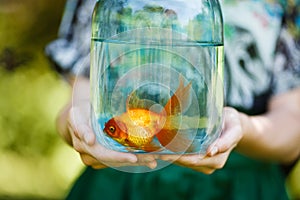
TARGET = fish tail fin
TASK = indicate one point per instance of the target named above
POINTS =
(170, 136)
(174, 141)
(180, 100)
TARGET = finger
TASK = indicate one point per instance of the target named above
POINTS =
(77, 121)
(190, 161)
(87, 134)
(91, 161)
(152, 164)
(72, 124)
(227, 141)
(175, 157)
(231, 134)
(72, 130)
(143, 158)
(147, 160)
(109, 156)
(80, 127)
(96, 164)
(215, 162)
(103, 155)
(84, 141)
(169, 158)
(78, 145)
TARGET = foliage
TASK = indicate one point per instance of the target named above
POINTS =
(27, 85)
(32, 155)
(28, 109)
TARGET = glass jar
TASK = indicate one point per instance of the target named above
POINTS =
(157, 75)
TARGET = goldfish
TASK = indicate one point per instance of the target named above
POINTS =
(137, 127)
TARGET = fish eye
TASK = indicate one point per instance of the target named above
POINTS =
(112, 129)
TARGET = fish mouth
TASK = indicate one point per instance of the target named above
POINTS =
(107, 134)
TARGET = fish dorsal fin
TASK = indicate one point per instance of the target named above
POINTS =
(134, 102)
(180, 100)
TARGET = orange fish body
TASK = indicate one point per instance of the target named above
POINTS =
(135, 128)
(138, 126)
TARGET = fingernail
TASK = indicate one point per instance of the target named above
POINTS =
(133, 159)
(152, 165)
(214, 151)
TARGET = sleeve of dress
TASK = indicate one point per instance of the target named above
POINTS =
(69, 53)
(287, 56)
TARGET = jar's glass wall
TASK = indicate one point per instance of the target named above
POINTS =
(157, 75)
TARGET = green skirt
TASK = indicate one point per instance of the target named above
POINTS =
(240, 179)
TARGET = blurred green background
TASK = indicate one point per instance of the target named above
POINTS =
(34, 161)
